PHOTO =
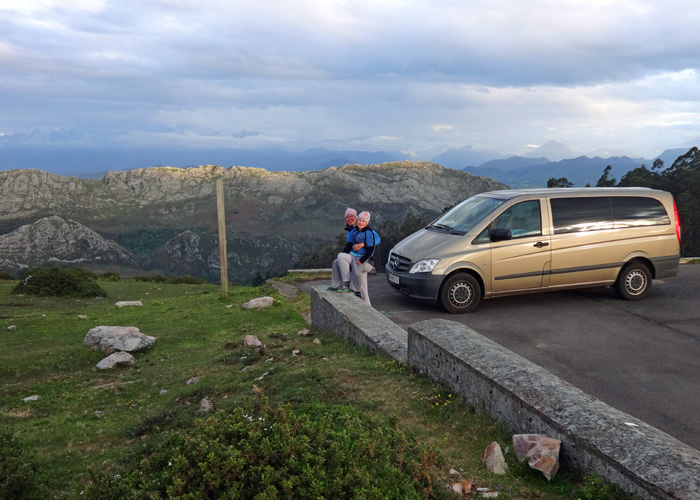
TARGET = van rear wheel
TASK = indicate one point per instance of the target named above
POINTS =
(634, 281)
(460, 294)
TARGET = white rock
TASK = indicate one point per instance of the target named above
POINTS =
(128, 303)
(31, 398)
(206, 405)
(192, 381)
(260, 302)
(12, 328)
(116, 359)
(494, 460)
(82, 316)
(118, 338)
(252, 340)
(304, 331)
(316, 341)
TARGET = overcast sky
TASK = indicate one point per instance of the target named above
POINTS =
(393, 75)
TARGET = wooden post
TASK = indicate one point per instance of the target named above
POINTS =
(222, 237)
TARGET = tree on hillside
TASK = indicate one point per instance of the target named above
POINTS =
(561, 182)
(606, 180)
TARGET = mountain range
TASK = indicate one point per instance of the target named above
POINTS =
(95, 163)
(164, 220)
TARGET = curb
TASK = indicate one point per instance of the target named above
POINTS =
(621, 449)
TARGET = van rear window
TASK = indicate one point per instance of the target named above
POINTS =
(606, 212)
(638, 211)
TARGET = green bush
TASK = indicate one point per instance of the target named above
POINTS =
(155, 278)
(54, 281)
(5, 276)
(18, 471)
(186, 280)
(279, 453)
(108, 277)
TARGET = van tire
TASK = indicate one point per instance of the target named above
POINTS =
(460, 293)
(634, 281)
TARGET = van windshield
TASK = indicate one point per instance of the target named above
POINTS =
(462, 218)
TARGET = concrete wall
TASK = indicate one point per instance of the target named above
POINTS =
(595, 437)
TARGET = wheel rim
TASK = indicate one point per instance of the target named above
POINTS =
(635, 282)
(461, 294)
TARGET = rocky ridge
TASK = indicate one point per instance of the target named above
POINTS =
(164, 219)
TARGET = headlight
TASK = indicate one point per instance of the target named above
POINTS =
(424, 266)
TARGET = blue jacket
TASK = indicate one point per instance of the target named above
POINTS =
(349, 238)
(370, 238)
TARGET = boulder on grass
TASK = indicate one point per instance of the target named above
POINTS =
(109, 339)
(116, 359)
(260, 302)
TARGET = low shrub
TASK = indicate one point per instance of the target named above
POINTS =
(54, 281)
(155, 278)
(186, 280)
(109, 276)
(280, 453)
(5, 276)
(18, 471)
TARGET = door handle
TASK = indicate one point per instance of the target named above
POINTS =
(541, 244)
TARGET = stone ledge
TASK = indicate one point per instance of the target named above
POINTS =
(353, 319)
(639, 458)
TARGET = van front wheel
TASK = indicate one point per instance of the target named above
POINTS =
(634, 281)
(460, 294)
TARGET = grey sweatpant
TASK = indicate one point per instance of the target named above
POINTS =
(358, 279)
(341, 270)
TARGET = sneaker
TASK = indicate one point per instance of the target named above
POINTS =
(333, 288)
(358, 294)
(342, 289)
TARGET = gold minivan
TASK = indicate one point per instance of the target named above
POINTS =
(533, 240)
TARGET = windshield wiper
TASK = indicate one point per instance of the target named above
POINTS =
(442, 226)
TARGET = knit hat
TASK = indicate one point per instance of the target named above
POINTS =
(350, 211)
(365, 216)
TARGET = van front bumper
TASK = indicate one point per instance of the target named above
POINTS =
(420, 286)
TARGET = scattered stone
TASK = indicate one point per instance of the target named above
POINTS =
(116, 359)
(82, 316)
(12, 328)
(263, 376)
(304, 331)
(316, 341)
(31, 398)
(245, 368)
(99, 413)
(206, 405)
(252, 340)
(296, 352)
(192, 381)
(542, 452)
(229, 306)
(494, 460)
(162, 391)
(128, 303)
(462, 488)
(109, 339)
(486, 493)
(260, 302)
(454, 473)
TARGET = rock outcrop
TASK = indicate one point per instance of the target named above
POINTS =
(167, 216)
(58, 241)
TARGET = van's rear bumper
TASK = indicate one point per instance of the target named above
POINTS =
(420, 286)
(666, 267)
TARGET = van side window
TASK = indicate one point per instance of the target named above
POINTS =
(631, 211)
(571, 215)
(523, 219)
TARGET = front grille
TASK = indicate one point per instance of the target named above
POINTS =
(399, 263)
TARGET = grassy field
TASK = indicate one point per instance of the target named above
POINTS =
(88, 421)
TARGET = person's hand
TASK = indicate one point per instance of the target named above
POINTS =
(359, 263)
(357, 246)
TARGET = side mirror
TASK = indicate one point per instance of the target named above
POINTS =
(501, 234)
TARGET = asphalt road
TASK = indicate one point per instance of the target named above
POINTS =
(640, 357)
